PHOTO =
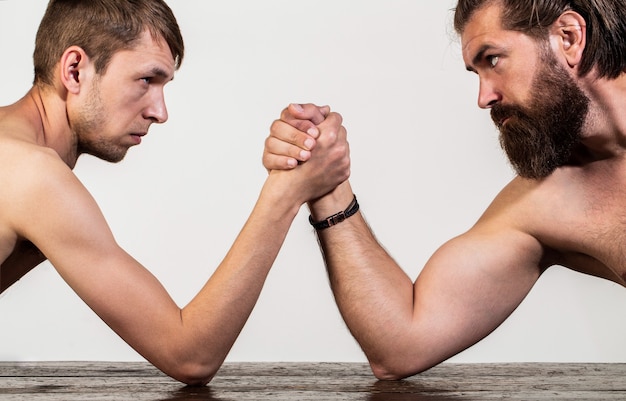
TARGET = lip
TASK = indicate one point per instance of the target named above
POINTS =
(137, 137)
(502, 121)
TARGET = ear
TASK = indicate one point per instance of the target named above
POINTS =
(569, 36)
(74, 66)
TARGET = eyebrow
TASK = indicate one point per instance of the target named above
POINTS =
(159, 72)
(478, 57)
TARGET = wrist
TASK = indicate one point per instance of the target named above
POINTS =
(336, 218)
(331, 203)
(280, 193)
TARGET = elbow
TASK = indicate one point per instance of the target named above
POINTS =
(384, 372)
(195, 378)
(193, 373)
(182, 361)
(397, 369)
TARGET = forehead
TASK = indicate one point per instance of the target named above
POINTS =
(485, 26)
(148, 54)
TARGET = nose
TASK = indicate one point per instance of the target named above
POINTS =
(157, 111)
(488, 96)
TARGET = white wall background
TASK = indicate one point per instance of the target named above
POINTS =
(426, 163)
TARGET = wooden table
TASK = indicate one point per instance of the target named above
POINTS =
(70, 381)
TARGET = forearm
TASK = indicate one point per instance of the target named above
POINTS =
(204, 331)
(200, 335)
(373, 293)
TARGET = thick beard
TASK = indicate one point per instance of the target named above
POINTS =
(542, 137)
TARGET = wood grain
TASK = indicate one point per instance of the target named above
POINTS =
(70, 381)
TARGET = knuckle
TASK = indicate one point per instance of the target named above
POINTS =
(294, 137)
(275, 124)
(271, 144)
(335, 117)
(265, 160)
(285, 113)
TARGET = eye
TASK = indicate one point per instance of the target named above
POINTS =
(146, 80)
(493, 60)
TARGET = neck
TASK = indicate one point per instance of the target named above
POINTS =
(604, 134)
(49, 122)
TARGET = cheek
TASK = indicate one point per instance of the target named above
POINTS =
(518, 90)
(124, 111)
(525, 80)
(121, 97)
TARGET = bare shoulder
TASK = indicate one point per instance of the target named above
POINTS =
(517, 218)
(14, 149)
(42, 199)
(26, 169)
(528, 204)
(569, 199)
(28, 176)
(575, 216)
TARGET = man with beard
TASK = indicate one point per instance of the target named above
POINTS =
(552, 73)
(100, 70)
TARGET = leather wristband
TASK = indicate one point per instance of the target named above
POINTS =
(336, 218)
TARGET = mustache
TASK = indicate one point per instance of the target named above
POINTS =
(500, 113)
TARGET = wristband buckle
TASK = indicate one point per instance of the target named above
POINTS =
(337, 217)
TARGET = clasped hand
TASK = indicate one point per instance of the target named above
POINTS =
(310, 143)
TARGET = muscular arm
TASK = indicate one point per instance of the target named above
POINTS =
(466, 289)
(58, 215)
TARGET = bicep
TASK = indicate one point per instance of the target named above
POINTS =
(472, 284)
